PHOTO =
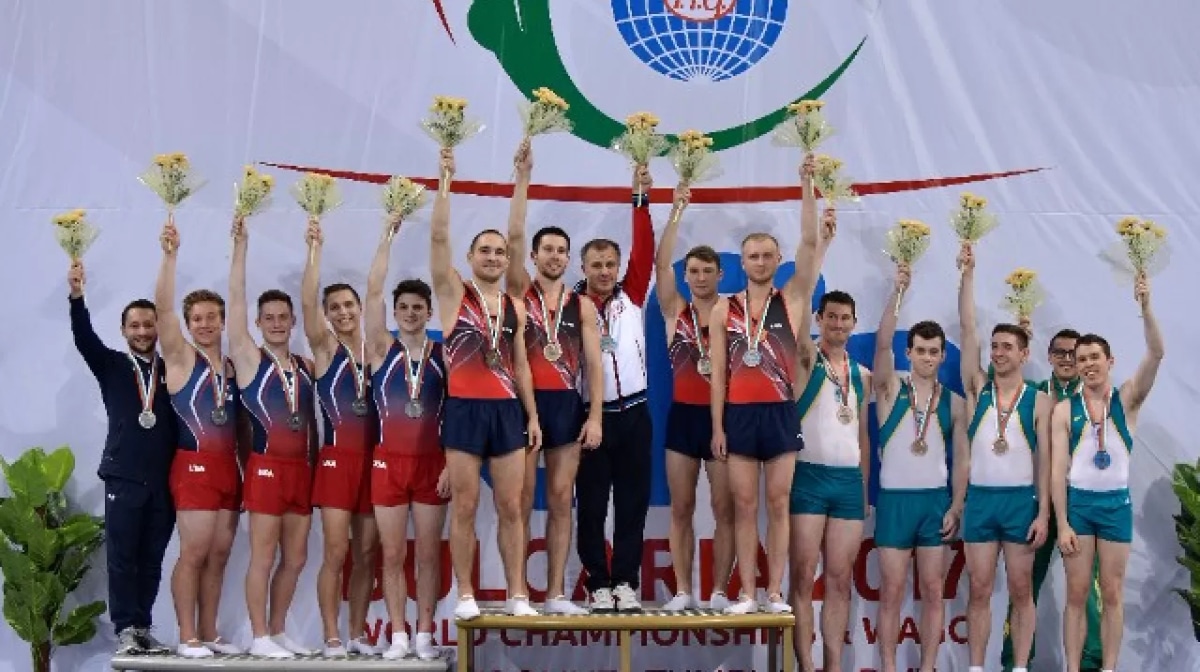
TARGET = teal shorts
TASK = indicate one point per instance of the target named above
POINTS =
(999, 514)
(909, 519)
(1104, 515)
(820, 490)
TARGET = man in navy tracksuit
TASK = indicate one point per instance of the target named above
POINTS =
(138, 514)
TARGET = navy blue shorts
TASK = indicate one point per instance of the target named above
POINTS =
(689, 431)
(763, 431)
(560, 413)
(483, 427)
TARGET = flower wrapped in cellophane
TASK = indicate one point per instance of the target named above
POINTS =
(401, 198)
(1024, 294)
(74, 233)
(829, 180)
(693, 158)
(1141, 252)
(907, 241)
(449, 126)
(253, 194)
(546, 113)
(971, 222)
(317, 194)
(641, 140)
(171, 178)
(805, 126)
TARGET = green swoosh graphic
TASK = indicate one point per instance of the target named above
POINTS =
(530, 56)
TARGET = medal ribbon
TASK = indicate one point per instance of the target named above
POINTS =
(756, 338)
(843, 392)
(1099, 428)
(289, 384)
(219, 383)
(1002, 416)
(493, 331)
(146, 388)
(360, 376)
(551, 332)
(923, 421)
(414, 379)
(701, 346)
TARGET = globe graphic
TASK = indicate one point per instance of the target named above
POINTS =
(700, 40)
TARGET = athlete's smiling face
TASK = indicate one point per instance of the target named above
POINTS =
(140, 330)
(276, 320)
(489, 257)
(205, 322)
(601, 264)
(551, 256)
(412, 313)
(702, 277)
(760, 258)
(343, 311)
(1062, 358)
(1094, 364)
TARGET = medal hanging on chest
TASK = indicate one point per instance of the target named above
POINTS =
(494, 327)
(219, 384)
(703, 361)
(1102, 459)
(552, 351)
(753, 356)
(359, 405)
(290, 381)
(414, 378)
(608, 343)
(845, 412)
(1000, 445)
(146, 390)
(921, 445)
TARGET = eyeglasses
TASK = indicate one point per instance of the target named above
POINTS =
(1059, 353)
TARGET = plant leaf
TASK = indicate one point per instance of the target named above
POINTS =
(26, 477)
(80, 625)
(58, 467)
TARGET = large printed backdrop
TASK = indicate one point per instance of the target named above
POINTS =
(1101, 99)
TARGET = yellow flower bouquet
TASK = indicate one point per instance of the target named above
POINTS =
(641, 140)
(317, 194)
(805, 126)
(907, 241)
(693, 158)
(449, 126)
(401, 198)
(546, 113)
(74, 233)
(1024, 294)
(972, 220)
(171, 178)
(833, 185)
(253, 194)
(1145, 245)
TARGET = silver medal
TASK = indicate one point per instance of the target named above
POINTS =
(704, 366)
(295, 422)
(493, 358)
(359, 407)
(752, 357)
(608, 344)
(414, 409)
(147, 420)
(220, 416)
(553, 352)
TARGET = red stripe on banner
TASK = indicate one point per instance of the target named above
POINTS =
(441, 12)
(578, 194)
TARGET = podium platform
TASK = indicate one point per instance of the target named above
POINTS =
(779, 626)
(245, 663)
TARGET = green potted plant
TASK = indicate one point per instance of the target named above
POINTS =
(45, 551)
(1187, 528)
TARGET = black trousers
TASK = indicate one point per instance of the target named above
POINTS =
(138, 522)
(620, 465)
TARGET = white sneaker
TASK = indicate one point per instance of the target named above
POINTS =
(562, 606)
(362, 647)
(744, 605)
(290, 644)
(466, 609)
(519, 606)
(718, 601)
(335, 649)
(602, 602)
(626, 598)
(399, 647)
(425, 647)
(775, 604)
(193, 649)
(681, 602)
(223, 647)
(267, 647)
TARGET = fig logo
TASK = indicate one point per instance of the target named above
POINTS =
(700, 11)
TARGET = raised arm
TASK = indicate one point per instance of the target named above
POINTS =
(379, 339)
(636, 283)
(799, 287)
(884, 373)
(95, 353)
(517, 279)
(719, 353)
(175, 351)
(669, 300)
(592, 430)
(242, 348)
(320, 338)
(525, 378)
(1136, 389)
(969, 361)
(447, 284)
(1060, 449)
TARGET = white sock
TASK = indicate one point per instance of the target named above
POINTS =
(1020, 669)
(974, 668)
